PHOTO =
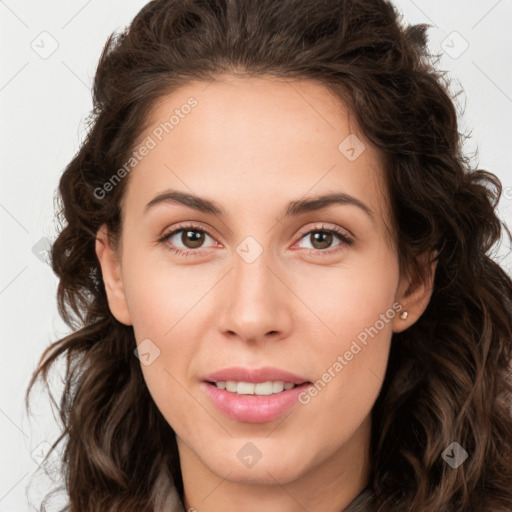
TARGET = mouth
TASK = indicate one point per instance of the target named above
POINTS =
(254, 402)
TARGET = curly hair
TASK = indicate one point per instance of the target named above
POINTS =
(448, 375)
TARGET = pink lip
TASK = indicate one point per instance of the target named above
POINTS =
(256, 375)
(252, 408)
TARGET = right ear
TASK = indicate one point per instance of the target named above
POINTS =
(112, 277)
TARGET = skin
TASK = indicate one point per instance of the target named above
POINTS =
(252, 146)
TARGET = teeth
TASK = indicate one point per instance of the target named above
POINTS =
(249, 388)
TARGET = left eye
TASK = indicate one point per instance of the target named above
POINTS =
(325, 237)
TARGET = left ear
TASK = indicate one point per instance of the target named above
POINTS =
(112, 277)
(414, 292)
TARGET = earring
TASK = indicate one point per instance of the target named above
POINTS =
(403, 315)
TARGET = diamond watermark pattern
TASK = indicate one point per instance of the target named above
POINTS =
(454, 455)
(249, 455)
(41, 250)
(249, 249)
(45, 45)
(39, 452)
(351, 147)
(454, 45)
(147, 352)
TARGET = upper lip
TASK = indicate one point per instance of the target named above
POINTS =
(255, 375)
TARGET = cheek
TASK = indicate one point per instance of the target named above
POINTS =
(345, 300)
(352, 341)
(161, 304)
(159, 296)
(349, 379)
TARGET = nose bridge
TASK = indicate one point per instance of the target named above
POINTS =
(255, 302)
(252, 280)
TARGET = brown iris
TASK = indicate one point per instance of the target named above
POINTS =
(325, 242)
(194, 237)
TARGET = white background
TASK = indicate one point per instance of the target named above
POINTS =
(44, 103)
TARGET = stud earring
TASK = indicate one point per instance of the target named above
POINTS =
(403, 315)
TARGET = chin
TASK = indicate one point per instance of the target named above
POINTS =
(264, 471)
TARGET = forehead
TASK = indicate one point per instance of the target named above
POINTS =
(251, 138)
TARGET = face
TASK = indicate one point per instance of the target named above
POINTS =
(254, 275)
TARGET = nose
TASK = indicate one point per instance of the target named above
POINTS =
(256, 303)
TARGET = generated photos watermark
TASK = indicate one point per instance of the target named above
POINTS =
(355, 348)
(149, 143)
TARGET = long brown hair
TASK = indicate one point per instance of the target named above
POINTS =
(448, 378)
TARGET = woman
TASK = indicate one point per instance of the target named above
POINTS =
(217, 362)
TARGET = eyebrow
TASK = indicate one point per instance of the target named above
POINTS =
(294, 208)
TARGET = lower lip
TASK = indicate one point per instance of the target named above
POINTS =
(254, 408)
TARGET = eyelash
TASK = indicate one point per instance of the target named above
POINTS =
(193, 227)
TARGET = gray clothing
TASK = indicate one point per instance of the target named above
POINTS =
(361, 503)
